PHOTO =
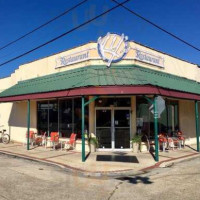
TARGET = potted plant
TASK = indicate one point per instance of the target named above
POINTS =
(93, 143)
(136, 141)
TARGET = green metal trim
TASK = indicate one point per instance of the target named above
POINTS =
(149, 100)
(197, 123)
(155, 125)
(83, 123)
(83, 129)
(156, 129)
(28, 124)
(91, 100)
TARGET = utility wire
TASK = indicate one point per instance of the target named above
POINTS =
(157, 26)
(46, 23)
(65, 33)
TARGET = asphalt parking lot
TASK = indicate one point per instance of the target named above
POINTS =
(24, 179)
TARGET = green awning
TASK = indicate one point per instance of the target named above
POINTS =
(116, 75)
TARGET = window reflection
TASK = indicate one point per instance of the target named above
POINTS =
(116, 102)
(42, 117)
(63, 116)
(53, 116)
(168, 121)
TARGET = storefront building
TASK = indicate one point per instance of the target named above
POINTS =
(119, 86)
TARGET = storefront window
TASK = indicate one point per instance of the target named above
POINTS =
(77, 116)
(63, 116)
(172, 116)
(53, 116)
(42, 117)
(167, 121)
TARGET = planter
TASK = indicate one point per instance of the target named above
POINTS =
(93, 144)
(135, 147)
(92, 148)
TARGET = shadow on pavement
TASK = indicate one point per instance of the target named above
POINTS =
(190, 147)
(136, 180)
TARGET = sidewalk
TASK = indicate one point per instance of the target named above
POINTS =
(71, 160)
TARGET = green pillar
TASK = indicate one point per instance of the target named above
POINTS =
(156, 129)
(28, 124)
(197, 123)
(83, 129)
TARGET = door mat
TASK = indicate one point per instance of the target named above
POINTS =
(117, 158)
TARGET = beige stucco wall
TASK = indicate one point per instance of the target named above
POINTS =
(187, 119)
(5, 83)
(14, 119)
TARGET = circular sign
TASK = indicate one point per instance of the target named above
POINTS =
(112, 48)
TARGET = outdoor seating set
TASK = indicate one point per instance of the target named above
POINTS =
(171, 142)
(177, 140)
(53, 141)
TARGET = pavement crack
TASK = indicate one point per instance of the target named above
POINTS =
(4, 197)
(115, 189)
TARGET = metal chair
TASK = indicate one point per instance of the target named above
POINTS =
(181, 137)
(54, 139)
(71, 143)
(31, 138)
(162, 140)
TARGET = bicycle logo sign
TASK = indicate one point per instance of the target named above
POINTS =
(112, 48)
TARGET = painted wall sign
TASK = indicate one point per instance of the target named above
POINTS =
(149, 58)
(112, 48)
(72, 58)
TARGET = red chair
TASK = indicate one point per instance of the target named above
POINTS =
(162, 140)
(71, 143)
(54, 139)
(31, 137)
(31, 134)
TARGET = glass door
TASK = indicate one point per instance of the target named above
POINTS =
(122, 129)
(103, 128)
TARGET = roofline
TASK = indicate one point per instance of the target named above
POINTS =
(96, 42)
(105, 90)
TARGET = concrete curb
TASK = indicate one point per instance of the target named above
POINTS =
(170, 162)
(105, 174)
(77, 171)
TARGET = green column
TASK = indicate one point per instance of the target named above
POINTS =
(156, 129)
(28, 124)
(197, 123)
(83, 129)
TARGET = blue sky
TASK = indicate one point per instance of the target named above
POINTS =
(19, 17)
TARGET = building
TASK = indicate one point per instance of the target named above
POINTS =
(118, 85)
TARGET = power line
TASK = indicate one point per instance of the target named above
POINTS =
(157, 26)
(46, 23)
(65, 33)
